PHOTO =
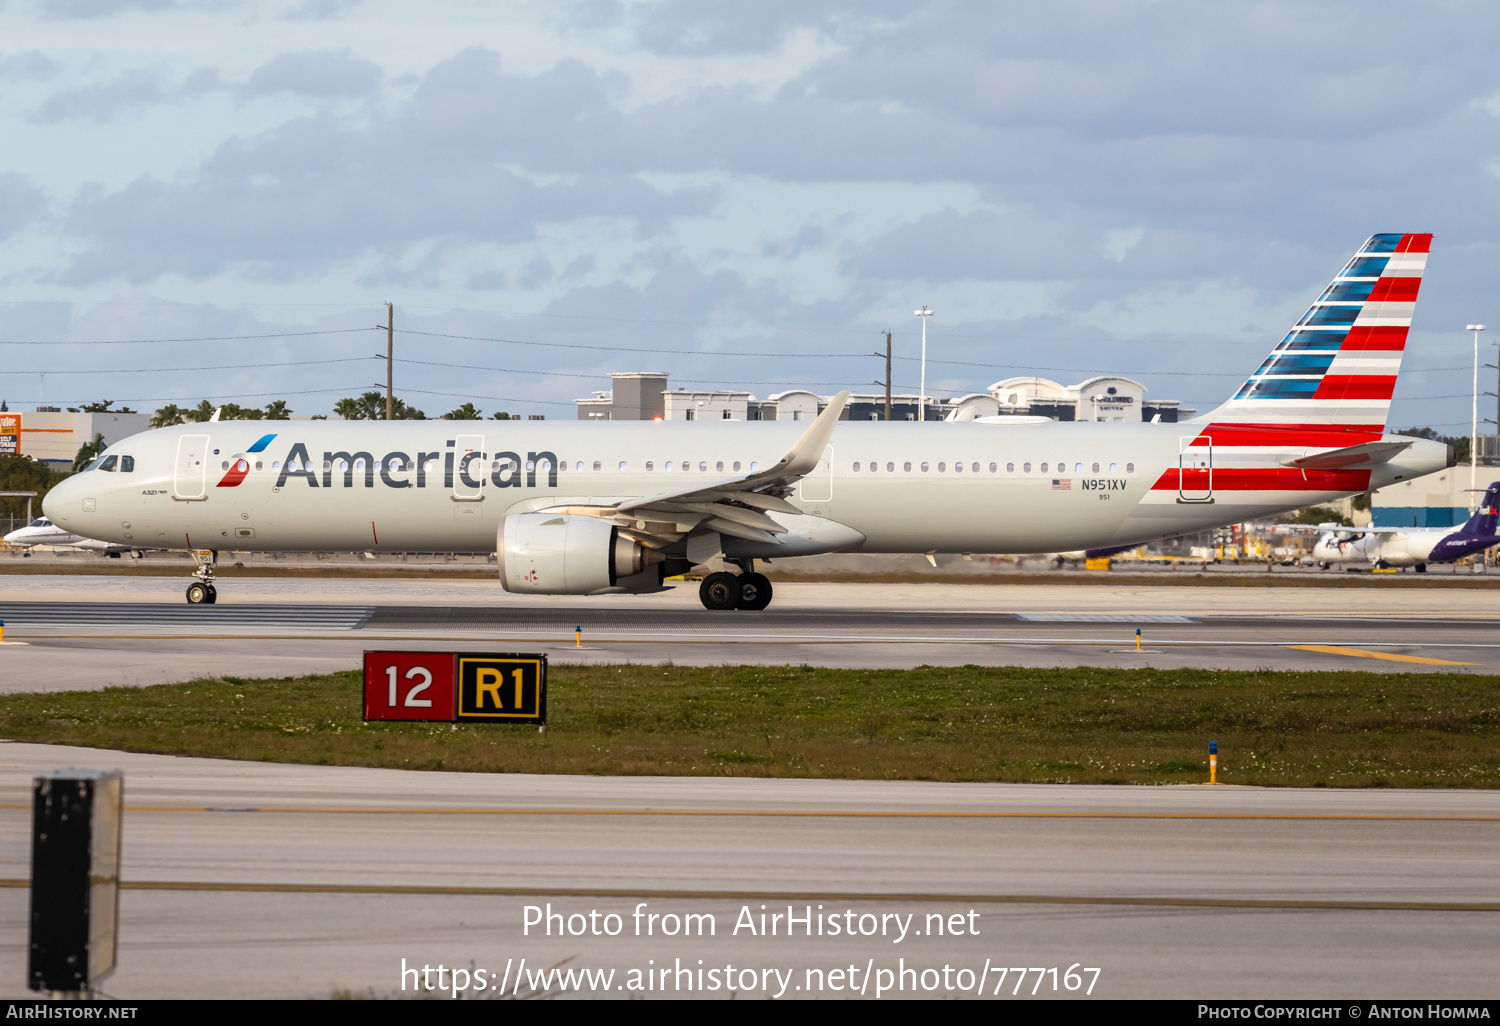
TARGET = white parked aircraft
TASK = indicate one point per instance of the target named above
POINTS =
(590, 508)
(1411, 546)
(42, 531)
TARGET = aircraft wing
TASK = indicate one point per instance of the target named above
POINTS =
(1367, 454)
(735, 506)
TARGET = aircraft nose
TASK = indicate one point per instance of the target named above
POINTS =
(64, 502)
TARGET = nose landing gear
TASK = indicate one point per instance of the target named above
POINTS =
(202, 591)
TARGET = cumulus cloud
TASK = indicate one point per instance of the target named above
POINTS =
(102, 101)
(20, 203)
(31, 65)
(319, 73)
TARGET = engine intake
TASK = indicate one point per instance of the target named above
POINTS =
(550, 554)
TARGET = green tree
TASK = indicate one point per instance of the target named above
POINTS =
(371, 406)
(464, 412)
(103, 406)
(199, 414)
(24, 474)
(1314, 515)
(88, 452)
(168, 416)
(277, 411)
(502, 415)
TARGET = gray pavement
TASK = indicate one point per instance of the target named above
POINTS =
(91, 632)
(248, 879)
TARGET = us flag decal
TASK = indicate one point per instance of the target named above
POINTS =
(1064, 484)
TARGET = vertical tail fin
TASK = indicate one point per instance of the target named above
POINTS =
(1338, 364)
(1483, 520)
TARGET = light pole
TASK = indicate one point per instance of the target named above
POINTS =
(1474, 427)
(923, 313)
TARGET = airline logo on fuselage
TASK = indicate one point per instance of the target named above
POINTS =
(241, 467)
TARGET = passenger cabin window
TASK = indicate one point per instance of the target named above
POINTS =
(1114, 468)
(719, 467)
(1130, 468)
(994, 467)
(1010, 468)
(1042, 468)
(856, 468)
(622, 466)
(906, 467)
(942, 467)
(652, 466)
(1026, 468)
(736, 464)
(1096, 468)
(598, 466)
(924, 467)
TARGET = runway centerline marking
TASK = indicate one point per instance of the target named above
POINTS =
(1365, 654)
(807, 896)
(810, 813)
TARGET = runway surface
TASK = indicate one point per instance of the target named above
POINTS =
(248, 879)
(92, 632)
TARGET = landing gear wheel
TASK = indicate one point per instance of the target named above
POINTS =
(752, 591)
(1421, 568)
(213, 594)
(719, 591)
(198, 594)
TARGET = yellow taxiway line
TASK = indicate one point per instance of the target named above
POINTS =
(1367, 654)
(612, 892)
(804, 813)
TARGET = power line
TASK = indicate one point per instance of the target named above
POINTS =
(172, 370)
(202, 338)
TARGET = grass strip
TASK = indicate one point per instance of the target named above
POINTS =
(1083, 725)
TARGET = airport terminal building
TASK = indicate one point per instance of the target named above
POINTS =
(648, 395)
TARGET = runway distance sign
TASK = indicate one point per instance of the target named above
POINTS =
(410, 686)
(502, 688)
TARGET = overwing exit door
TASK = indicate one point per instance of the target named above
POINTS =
(1195, 469)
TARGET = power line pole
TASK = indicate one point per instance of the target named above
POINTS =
(887, 375)
(923, 313)
(390, 355)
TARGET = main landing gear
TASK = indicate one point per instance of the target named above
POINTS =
(202, 591)
(723, 590)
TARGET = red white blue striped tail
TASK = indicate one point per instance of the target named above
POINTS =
(1337, 367)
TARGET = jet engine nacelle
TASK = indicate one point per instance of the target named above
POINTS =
(553, 554)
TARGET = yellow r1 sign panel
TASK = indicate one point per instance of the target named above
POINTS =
(506, 688)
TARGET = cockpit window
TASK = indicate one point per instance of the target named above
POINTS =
(127, 464)
(109, 463)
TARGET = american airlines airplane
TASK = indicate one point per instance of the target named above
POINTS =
(583, 508)
(1411, 546)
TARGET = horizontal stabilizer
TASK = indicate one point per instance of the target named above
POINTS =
(1365, 455)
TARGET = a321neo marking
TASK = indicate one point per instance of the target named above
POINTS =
(456, 687)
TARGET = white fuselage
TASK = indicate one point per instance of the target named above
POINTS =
(1407, 547)
(1022, 488)
(42, 532)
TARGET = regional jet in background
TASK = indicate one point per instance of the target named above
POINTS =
(581, 508)
(42, 531)
(1385, 547)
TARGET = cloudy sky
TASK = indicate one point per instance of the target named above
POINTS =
(744, 195)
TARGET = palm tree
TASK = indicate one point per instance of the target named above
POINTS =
(464, 412)
(277, 411)
(200, 413)
(349, 409)
(167, 416)
(88, 452)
